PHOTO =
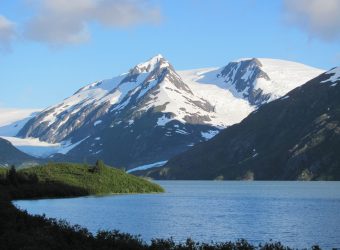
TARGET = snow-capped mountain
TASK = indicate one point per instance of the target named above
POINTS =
(257, 80)
(153, 112)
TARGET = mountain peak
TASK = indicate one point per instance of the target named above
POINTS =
(245, 59)
(154, 62)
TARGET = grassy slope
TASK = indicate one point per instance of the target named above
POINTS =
(58, 180)
(107, 181)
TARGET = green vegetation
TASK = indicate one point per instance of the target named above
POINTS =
(3, 171)
(69, 180)
(96, 180)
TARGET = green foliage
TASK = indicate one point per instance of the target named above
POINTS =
(99, 167)
(3, 171)
(106, 180)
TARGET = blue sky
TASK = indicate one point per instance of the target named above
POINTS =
(39, 67)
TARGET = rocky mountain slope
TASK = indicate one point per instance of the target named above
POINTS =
(294, 137)
(154, 112)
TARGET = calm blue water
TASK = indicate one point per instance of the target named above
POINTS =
(298, 214)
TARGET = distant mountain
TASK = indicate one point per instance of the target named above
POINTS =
(294, 137)
(257, 80)
(9, 155)
(12, 120)
(154, 112)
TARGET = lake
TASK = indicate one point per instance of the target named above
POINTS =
(299, 214)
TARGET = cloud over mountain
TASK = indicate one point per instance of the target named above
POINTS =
(319, 18)
(61, 22)
(7, 33)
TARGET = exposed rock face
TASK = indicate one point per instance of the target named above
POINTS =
(243, 76)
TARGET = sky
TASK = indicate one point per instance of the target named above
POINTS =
(51, 48)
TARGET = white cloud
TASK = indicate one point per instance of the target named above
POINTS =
(59, 22)
(319, 18)
(7, 33)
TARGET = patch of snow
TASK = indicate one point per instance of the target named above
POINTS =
(335, 75)
(183, 132)
(67, 146)
(209, 134)
(97, 122)
(163, 120)
(285, 97)
(97, 138)
(149, 86)
(147, 166)
(121, 105)
(95, 153)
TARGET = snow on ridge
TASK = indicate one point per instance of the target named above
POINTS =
(68, 146)
(209, 134)
(147, 166)
(242, 59)
(97, 123)
(228, 109)
(163, 120)
(284, 76)
(152, 63)
(112, 90)
(334, 77)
